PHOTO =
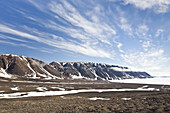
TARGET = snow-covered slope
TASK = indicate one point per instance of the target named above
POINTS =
(25, 67)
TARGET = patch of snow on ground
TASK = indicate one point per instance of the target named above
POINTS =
(97, 98)
(146, 86)
(61, 89)
(62, 97)
(42, 88)
(15, 89)
(126, 98)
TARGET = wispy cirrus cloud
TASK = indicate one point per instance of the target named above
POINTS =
(45, 50)
(90, 34)
(99, 30)
(6, 29)
(7, 42)
(11, 38)
(55, 41)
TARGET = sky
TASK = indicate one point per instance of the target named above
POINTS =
(133, 33)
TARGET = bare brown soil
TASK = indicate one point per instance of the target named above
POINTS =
(140, 102)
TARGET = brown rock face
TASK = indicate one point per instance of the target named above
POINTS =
(3, 61)
(28, 67)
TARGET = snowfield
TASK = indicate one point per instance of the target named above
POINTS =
(158, 81)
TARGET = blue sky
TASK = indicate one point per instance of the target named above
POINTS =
(134, 33)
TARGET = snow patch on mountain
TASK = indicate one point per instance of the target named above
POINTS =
(4, 74)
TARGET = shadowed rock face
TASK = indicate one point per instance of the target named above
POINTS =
(24, 66)
(97, 71)
(14, 65)
(28, 67)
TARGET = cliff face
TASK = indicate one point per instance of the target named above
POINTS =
(21, 66)
(96, 71)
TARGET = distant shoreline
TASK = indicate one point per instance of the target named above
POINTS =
(161, 76)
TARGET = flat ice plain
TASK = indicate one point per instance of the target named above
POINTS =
(156, 80)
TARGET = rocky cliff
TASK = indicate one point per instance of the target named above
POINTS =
(96, 71)
(21, 66)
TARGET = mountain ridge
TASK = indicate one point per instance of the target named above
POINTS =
(25, 67)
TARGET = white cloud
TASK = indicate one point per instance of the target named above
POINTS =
(25, 45)
(7, 42)
(142, 30)
(168, 37)
(150, 61)
(122, 22)
(119, 45)
(125, 26)
(144, 36)
(86, 50)
(96, 13)
(11, 38)
(39, 6)
(159, 6)
(156, 53)
(146, 44)
(113, 0)
(158, 32)
(95, 18)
